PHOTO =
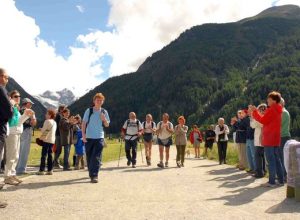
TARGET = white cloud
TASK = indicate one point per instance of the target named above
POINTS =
(80, 8)
(139, 28)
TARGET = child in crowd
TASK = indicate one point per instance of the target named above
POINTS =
(79, 145)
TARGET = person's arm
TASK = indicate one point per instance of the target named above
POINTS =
(84, 124)
(170, 128)
(192, 137)
(226, 130)
(123, 130)
(140, 129)
(158, 128)
(45, 127)
(263, 119)
(105, 119)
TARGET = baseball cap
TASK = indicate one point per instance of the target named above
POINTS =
(27, 100)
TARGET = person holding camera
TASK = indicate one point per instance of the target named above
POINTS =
(196, 139)
(48, 139)
(222, 131)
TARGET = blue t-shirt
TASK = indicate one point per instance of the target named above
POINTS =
(95, 129)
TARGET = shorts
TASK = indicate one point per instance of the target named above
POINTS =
(209, 144)
(165, 142)
(148, 137)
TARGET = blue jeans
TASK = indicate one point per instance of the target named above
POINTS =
(283, 142)
(94, 148)
(274, 164)
(251, 154)
(46, 151)
(67, 149)
(260, 161)
(131, 144)
(24, 150)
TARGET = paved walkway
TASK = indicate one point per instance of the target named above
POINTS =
(201, 190)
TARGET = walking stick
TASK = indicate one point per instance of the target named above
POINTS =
(120, 153)
(142, 152)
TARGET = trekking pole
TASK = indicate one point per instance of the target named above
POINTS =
(142, 152)
(120, 153)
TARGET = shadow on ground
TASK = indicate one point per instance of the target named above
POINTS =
(286, 206)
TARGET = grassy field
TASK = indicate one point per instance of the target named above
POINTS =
(111, 153)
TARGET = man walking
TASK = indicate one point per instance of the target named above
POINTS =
(131, 131)
(25, 137)
(94, 120)
(5, 115)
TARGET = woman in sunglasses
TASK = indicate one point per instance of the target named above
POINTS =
(13, 139)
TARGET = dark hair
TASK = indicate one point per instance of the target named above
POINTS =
(13, 93)
(66, 110)
(276, 96)
(51, 113)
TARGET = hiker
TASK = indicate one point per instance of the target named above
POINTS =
(210, 136)
(93, 123)
(271, 122)
(285, 134)
(48, 134)
(13, 139)
(260, 171)
(165, 129)
(26, 137)
(66, 125)
(79, 145)
(241, 136)
(222, 131)
(233, 124)
(149, 128)
(250, 145)
(5, 114)
(196, 139)
(58, 147)
(131, 131)
(180, 140)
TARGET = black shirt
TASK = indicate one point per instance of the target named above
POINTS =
(5, 110)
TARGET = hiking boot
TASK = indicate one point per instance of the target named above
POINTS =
(128, 163)
(57, 166)
(94, 180)
(17, 179)
(11, 181)
(161, 165)
(133, 166)
(268, 185)
(167, 164)
(40, 173)
(178, 165)
(3, 205)
(148, 161)
(49, 173)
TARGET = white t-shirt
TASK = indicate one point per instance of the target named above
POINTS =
(164, 133)
(132, 127)
(148, 127)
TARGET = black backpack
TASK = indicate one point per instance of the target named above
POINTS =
(144, 124)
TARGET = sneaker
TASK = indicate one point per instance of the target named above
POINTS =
(128, 163)
(10, 181)
(50, 173)
(17, 179)
(94, 180)
(167, 164)
(58, 166)
(178, 165)
(3, 205)
(40, 173)
(133, 166)
(161, 165)
(268, 185)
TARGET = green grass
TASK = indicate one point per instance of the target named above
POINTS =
(110, 153)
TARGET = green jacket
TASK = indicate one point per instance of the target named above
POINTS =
(285, 124)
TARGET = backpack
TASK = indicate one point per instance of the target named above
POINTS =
(144, 124)
(91, 111)
(137, 123)
(169, 123)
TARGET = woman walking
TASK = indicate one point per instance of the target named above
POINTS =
(149, 128)
(210, 137)
(181, 140)
(222, 131)
(48, 138)
(196, 139)
(271, 122)
(13, 139)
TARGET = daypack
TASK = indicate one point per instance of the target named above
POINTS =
(137, 123)
(91, 111)
(144, 124)
(159, 124)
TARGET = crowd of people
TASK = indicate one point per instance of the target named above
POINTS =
(259, 134)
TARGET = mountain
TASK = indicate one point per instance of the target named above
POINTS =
(39, 109)
(54, 99)
(211, 71)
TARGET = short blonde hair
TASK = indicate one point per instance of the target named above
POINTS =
(181, 118)
(99, 96)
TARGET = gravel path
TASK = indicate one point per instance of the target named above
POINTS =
(201, 190)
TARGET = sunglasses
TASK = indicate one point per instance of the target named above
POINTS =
(16, 96)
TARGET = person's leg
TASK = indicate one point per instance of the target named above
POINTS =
(134, 151)
(11, 143)
(195, 149)
(43, 158)
(264, 163)
(50, 158)
(270, 155)
(258, 162)
(281, 154)
(253, 153)
(278, 165)
(249, 154)
(2, 144)
(239, 151)
(178, 153)
(224, 149)
(150, 151)
(182, 154)
(88, 151)
(24, 150)
(220, 152)
(244, 156)
(167, 149)
(95, 157)
(161, 153)
(57, 151)
(66, 156)
(127, 150)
